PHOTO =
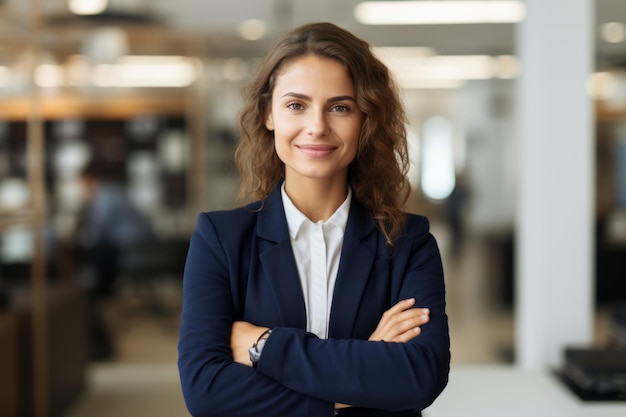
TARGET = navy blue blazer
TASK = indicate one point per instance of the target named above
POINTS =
(240, 266)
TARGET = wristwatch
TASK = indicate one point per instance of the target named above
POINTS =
(257, 347)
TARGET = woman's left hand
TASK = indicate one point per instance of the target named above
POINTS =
(242, 336)
(401, 322)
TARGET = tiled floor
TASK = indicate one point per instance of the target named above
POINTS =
(142, 379)
(126, 389)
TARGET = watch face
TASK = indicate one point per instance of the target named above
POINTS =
(254, 355)
(260, 344)
(257, 348)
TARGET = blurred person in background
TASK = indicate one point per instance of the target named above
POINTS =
(109, 225)
(108, 228)
(323, 296)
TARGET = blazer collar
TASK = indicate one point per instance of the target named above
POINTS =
(272, 224)
(278, 262)
(357, 259)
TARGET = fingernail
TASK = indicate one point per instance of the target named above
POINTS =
(426, 310)
(417, 329)
(424, 317)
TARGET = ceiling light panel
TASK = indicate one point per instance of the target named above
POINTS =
(439, 12)
(87, 7)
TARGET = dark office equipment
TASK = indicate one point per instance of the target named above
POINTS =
(596, 374)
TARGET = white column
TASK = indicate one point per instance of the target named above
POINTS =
(554, 280)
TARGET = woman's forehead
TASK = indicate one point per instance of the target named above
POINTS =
(312, 74)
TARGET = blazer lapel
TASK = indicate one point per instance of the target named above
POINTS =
(278, 261)
(357, 258)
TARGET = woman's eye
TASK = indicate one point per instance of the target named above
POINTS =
(340, 108)
(295, 106)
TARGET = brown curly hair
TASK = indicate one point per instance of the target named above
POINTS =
(377, 176)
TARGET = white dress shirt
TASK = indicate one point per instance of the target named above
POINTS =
(317, 250)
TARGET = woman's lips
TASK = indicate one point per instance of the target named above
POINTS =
(316, 151)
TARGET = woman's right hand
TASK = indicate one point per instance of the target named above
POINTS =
(401, 322)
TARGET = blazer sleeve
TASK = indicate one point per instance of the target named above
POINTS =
(212, 383)
(381, 375)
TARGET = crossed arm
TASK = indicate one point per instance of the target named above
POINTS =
(400, 324)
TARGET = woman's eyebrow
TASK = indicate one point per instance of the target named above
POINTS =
(340, 98)
(330, 100)
(296, 95)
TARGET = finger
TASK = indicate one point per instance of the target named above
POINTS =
(400, 323)
(398, 308)
(401, 306)
(411, 323)
(401, 311)
(390, 315)
(407, 329)
(403, 318)
(408, 335)
(414, 317)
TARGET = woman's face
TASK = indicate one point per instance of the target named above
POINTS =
(315, 119)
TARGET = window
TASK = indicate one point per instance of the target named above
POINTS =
(437, 158)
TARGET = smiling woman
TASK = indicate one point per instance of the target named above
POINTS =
(316, 124)
(323, 296)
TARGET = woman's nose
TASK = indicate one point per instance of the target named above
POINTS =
(317, 125)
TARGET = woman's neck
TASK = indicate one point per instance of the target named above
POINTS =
(317, 199)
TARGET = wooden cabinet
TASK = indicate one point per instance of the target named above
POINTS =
(66, 347)
(9, 365)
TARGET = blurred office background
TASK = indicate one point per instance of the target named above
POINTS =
(148, 90)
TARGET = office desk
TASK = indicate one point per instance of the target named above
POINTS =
(506, 391)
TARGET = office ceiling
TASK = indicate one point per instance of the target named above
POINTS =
(215, 22)
(220, 24)
(218, 20)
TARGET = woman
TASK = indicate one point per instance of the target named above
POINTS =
(322, 297)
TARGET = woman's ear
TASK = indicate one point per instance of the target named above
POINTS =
(269, 120)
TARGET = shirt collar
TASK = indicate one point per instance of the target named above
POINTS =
(295, 218)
